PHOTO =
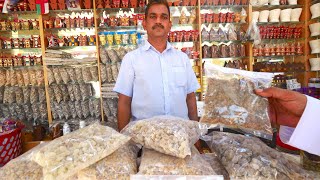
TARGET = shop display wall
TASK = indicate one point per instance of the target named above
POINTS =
(98, 34)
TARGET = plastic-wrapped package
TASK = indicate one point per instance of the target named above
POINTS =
(12, 111)
(35, 110)
(85, 108)
(112, 54)
(8, 81)
(113, 106)
(50, 76)
(78, 73)
(216, 165)
(109, 73)
(5, 111)
(64, 75)
(121, 53)
(26, 94)
(72, 74)
(51, 94)
(222, 34)
(58, 110)
(34, 95)
(77, 92)
(224, 51)
(89, 145)
(20, 112)
(72, 109)
(9, 95)
(86, 74)
(94, 73)
(85, 94)
(64, 90)
(106, 108)
(78, 108)
(156, 163)
(70, 92)
(13, 77)
(28, 111)
(2, 93)
(57, 75)
(104, 56)
(232, 34)
(65, 110)
(23, 167)
(33, 78)
(104, 75)
(43, 110)
(247, 157)
(54, 111)
(42, 94)
(237, 107)
(40, 77)
(91, 107)
(19, 78)
(114, 70)
(57, 93)
(19, 95)
(119, 165)
(166, 134)
(214, 36)
(215, 51)
(97, 107)
(2, 77)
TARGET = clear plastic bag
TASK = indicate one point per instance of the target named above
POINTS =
(85, 93)
(19, 78)
(237, 107)
(247, 157)
(70, 92)
(50, 76)
(23, 167)
(35, 110)
(253, 33)
(12, 111)
(1, 93)
(64, 90)
(112, 54)
(57, 75)
(28, 111)
(97, 108)
(43, 111)
(103, 56)
(156, 163)
(2, 77)
(33, 78)
(58, 109)
(114, 70)
(20, 112)
(86, 75)
(166, 134)
(72, 109)
(40, 77)
(104, 75)
(65, 110)
(51, 94)
(54, 111)
(7, 78)
(9, 95)
(64, 75)
(78, 108)
(78, 73)
(19, 95)
(42, 94)
(57, 93)
(119, 165)
(85, 147)
(34, 95)
(91, 107)
(94, 73)
(121, 53)
(13, 77)
(72, 74)
(85, 108)
(113, 106)
(109, 73)
(106, 108)
(216, 165)
(77, 92)
(26, 94)
(5, 111)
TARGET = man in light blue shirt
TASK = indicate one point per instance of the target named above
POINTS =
(156, 79)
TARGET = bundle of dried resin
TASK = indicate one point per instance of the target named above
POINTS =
(66, 155)
(118, 165)
(230, 100)
(167, 134)
(155, 163)
(249, 158)
(216, 165)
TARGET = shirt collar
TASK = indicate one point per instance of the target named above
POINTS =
(147, 46)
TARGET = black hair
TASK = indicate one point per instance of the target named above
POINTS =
(153, 2)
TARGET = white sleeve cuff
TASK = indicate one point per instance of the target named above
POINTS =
(306, 135)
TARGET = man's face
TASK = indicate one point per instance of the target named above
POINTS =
(157, 23)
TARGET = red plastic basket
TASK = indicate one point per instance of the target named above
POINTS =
(10, 146)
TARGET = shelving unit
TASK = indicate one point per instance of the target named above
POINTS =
(101, 29)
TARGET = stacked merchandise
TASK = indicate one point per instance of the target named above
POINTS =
(22, 95)
(71, 91)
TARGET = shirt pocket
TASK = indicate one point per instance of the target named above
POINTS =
(180, 76)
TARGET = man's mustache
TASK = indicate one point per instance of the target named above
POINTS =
(158, 25)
